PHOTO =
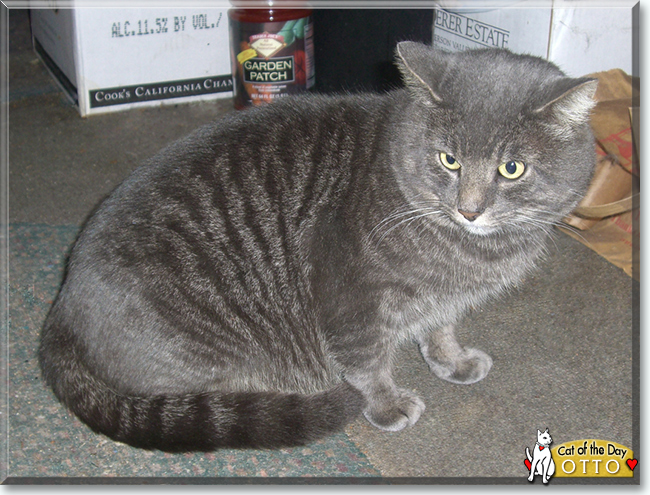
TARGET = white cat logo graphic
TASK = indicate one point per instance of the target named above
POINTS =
(541, 462)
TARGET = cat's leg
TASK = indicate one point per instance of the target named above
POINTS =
(545, 475)
(550, 469)
(387, 406)
(448, 360)
(536, 467)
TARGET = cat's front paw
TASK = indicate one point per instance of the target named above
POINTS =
(396, 412)
(469, 366)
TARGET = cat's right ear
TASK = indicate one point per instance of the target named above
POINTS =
(571, 101)
(416, 62)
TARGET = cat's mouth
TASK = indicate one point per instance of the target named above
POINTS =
(479, 225)
(480, 230)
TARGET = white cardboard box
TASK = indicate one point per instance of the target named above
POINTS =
(111, 59)
(580, 37)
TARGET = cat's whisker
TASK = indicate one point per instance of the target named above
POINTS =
(542, 225)
(575, 231)
(422, 226)
(395, 216)
(410, 215)
(401, 213)
(557, 223)
(410, 219)
(579, 195)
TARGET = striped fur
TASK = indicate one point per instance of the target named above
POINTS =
(248, 286)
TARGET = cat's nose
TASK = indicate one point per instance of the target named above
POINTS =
(470, 215)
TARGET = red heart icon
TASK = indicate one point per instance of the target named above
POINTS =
(631, 463)
(527, 462)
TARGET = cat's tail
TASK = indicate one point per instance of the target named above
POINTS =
(530, 457)
(198, 422)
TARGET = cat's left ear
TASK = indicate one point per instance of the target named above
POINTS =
(571, 101)
(416, 62)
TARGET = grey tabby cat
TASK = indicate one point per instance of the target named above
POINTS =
(249, 285)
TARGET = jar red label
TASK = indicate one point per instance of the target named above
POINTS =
(271, 59)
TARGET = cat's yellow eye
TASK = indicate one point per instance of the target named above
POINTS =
(512, 169)
(449, 161)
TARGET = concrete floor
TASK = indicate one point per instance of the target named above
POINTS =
(564, 345)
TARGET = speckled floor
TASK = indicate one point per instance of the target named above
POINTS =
(45, 441)
(565, 345)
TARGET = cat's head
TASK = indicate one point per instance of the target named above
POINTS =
(544, 438)
(496, 140)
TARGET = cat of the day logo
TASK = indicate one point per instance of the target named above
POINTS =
(541, 461)
(578, 459)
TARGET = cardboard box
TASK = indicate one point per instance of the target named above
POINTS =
(111, 59)
(580, 37)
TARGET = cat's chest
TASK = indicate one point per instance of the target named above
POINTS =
(447, 287)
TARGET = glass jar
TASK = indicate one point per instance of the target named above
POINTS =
(272, 53)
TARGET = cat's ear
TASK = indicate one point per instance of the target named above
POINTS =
(571, 101)
(417, 65)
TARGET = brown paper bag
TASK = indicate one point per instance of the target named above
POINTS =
(607, 218)
(614, 238)
(616, 178)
